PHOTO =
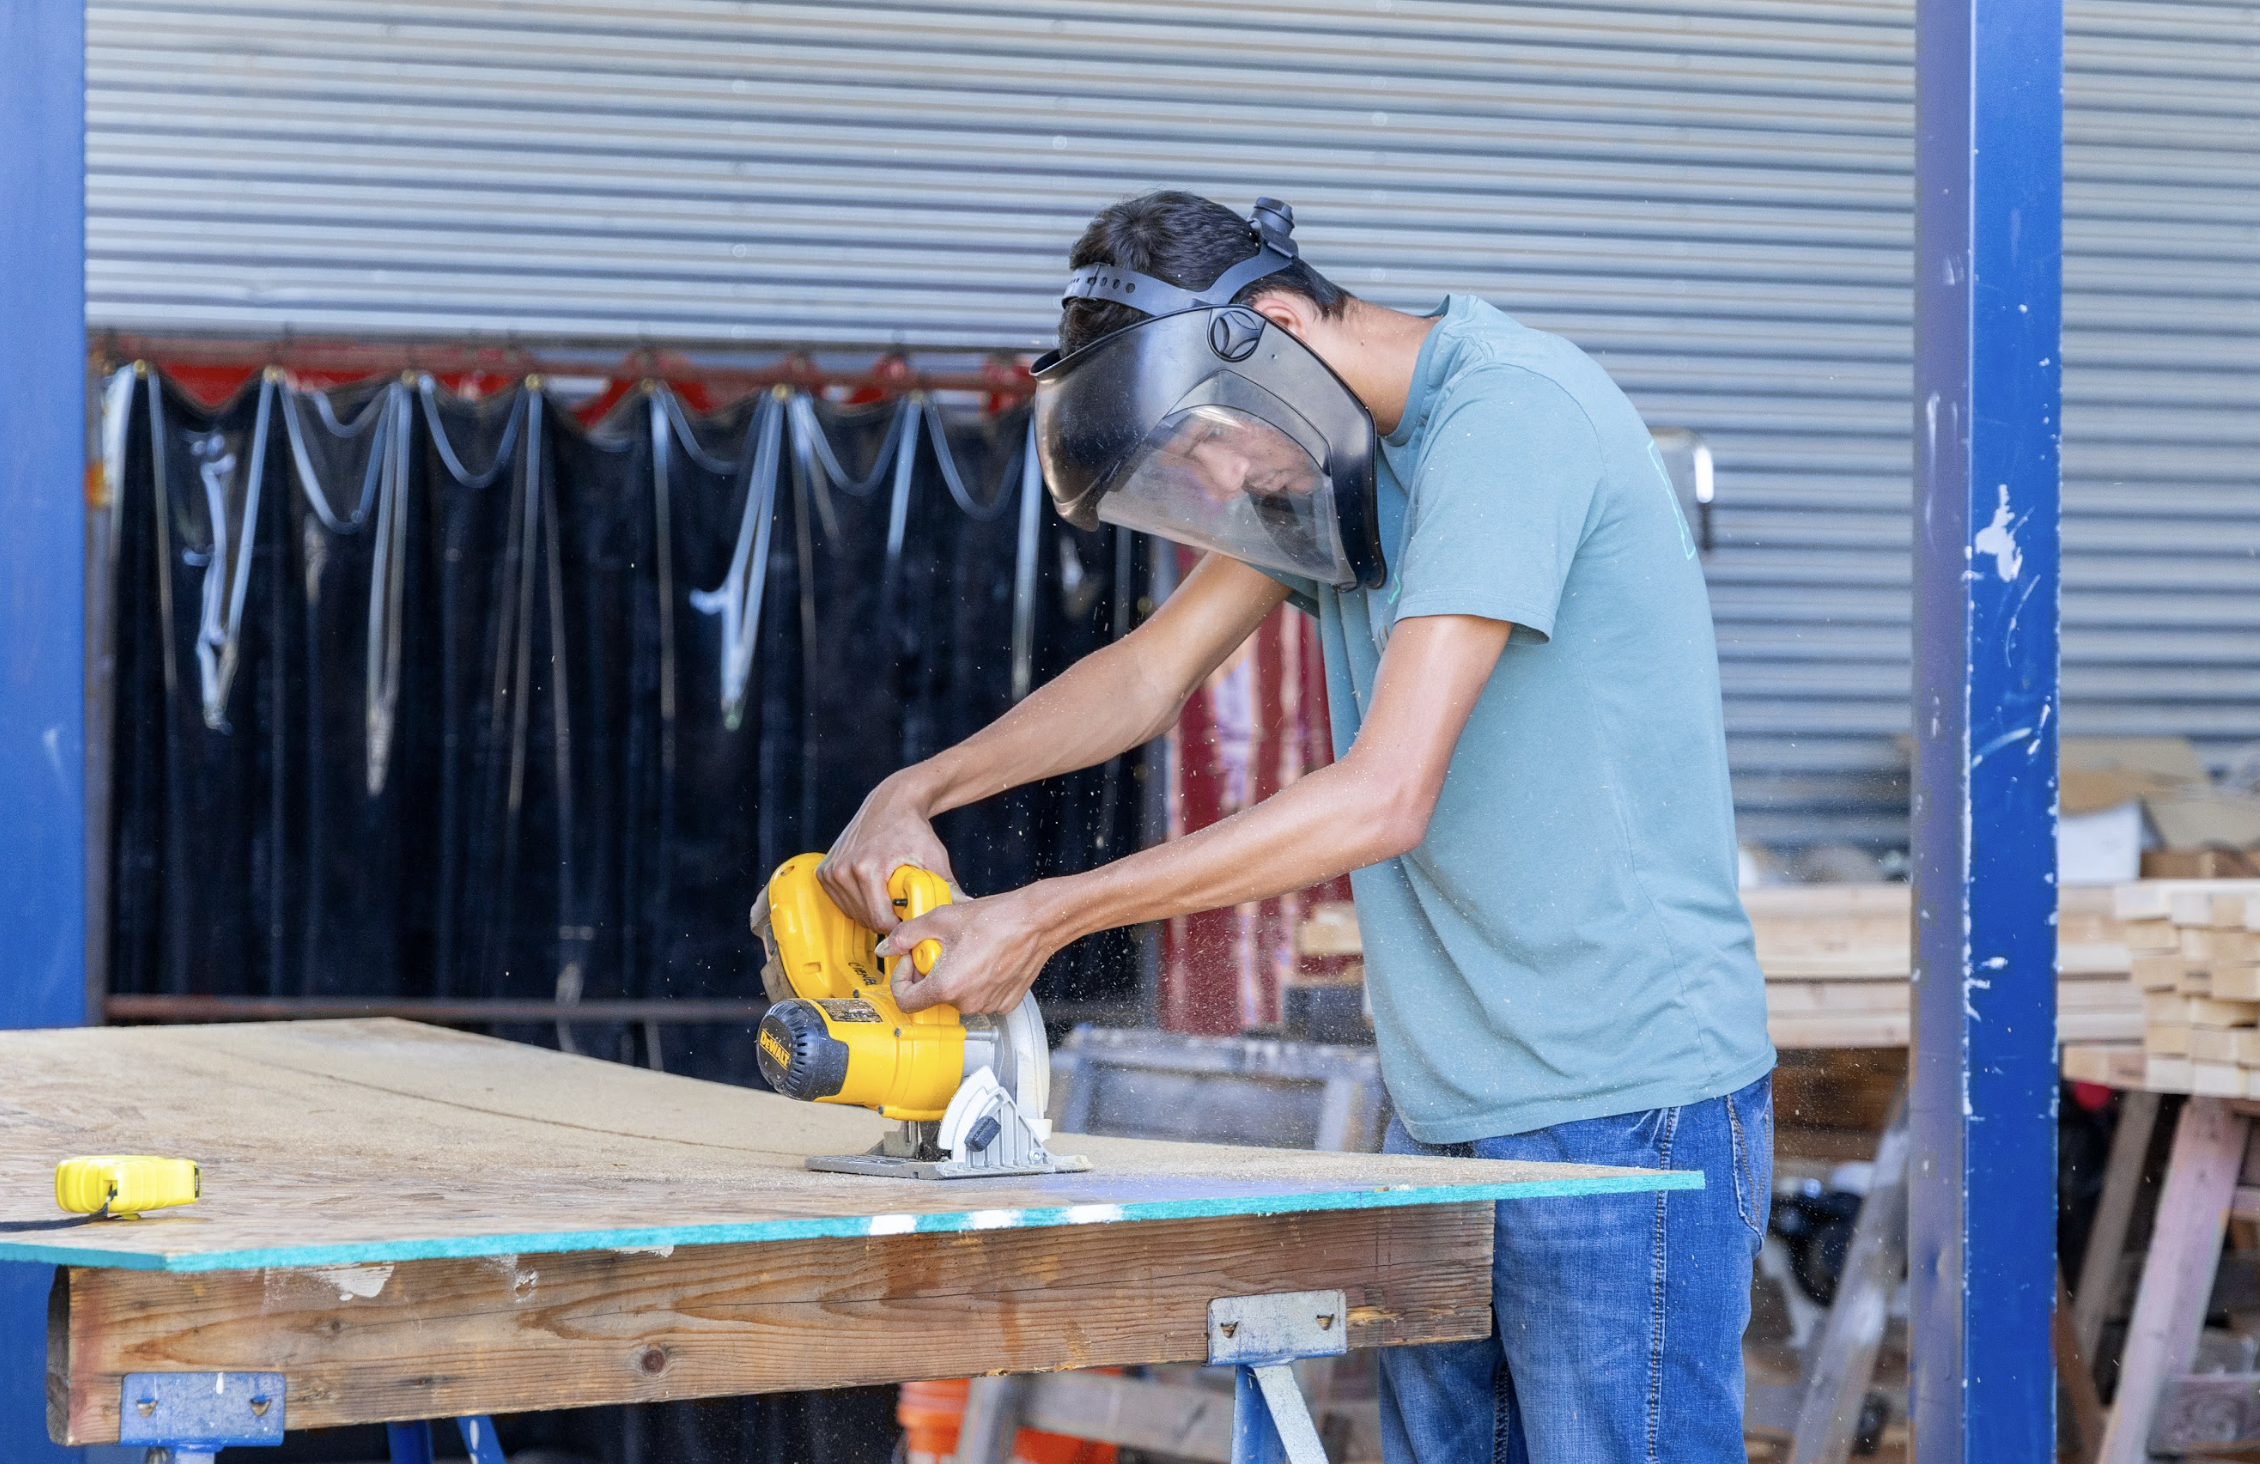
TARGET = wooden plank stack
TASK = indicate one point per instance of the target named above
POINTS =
(2195, 947)
(1837, 960)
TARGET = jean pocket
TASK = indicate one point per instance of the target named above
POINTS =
(1749, 1122)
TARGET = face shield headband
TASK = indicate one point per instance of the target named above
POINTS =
(1209, 426)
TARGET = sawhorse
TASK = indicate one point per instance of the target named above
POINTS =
(2162, 1408)
(1840, 1363)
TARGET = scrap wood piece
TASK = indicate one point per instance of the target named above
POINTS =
(366, 1142)
(2177, 900)
(2114, 1065)
(503, 1334)
(2205, 1412)
(2114, 1217)
(1182, 1420)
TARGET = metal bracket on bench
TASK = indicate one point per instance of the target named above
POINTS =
(1259, 1336)
(193, 1415)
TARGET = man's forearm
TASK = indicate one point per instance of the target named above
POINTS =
(1372, 805)
(1339, 818)
(1103, 705)
(1100, 707)
(1112, 700)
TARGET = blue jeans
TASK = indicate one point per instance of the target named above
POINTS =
(1618, 1319)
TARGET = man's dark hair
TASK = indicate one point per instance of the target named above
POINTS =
(1182, 238)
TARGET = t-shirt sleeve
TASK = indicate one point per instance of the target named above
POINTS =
(1302, 593)
(1499, 501)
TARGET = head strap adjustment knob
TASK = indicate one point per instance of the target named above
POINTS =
(1273, 224)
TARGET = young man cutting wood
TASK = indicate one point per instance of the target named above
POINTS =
(1530, 787)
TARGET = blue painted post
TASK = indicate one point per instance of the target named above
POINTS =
(410, 1443)
(1255, 1439)
(1988, 277)
(479, 1442)
(42, 599)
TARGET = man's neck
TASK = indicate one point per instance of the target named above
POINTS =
(1375, 350)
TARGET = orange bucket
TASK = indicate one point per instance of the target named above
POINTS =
(931, 1412)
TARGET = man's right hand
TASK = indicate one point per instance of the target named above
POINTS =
(890, 830)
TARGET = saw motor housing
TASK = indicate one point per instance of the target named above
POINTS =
(970, 1091)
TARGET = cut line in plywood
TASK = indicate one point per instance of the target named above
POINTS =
(365, 1142)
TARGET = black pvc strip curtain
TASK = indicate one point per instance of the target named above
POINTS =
(423, 696)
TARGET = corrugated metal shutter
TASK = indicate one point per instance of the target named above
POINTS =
(1715, 202)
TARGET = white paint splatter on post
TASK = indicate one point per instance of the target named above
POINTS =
(1999, 539)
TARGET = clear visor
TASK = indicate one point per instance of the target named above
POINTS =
(1218, 478)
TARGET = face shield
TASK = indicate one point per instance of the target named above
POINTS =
(1211, 427)
(1219, 477)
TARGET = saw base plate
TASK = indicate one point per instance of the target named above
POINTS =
(886, 1166)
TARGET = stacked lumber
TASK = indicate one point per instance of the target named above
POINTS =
(2195, 948)
(1837, 959)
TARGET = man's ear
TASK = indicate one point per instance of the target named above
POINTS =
(1291, 313)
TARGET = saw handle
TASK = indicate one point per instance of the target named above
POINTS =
(915, 891)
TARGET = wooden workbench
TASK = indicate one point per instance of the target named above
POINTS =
(413, 1223)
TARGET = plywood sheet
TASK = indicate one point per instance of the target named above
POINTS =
(344, 1143)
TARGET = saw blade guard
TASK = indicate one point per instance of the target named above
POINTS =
(1014, 1048)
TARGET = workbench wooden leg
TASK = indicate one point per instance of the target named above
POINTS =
(1271, 1422)
(1841, 1361)
(993, 1407)
(2114, 1214)
(2178, 1271)
(2078, 1379)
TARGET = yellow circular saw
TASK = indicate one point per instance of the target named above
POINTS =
(970, 1090)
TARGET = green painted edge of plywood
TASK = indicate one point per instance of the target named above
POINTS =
(656, 1237)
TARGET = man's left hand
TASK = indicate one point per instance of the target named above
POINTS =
(992, 951)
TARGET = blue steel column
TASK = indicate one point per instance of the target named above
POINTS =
(1988, 288)
(42, 599)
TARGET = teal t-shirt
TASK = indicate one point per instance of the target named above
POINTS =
(1567, 941)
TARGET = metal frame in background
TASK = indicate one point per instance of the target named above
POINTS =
(1988, 264)
(42, 597)
(726, 372)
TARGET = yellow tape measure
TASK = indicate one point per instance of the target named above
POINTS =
(126, 1184)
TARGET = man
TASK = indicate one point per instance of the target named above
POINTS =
(1530, 787)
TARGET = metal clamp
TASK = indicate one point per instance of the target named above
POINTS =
(1259, 1336)
(191, 1416)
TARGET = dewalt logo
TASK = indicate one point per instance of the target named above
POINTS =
(775, 1047)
